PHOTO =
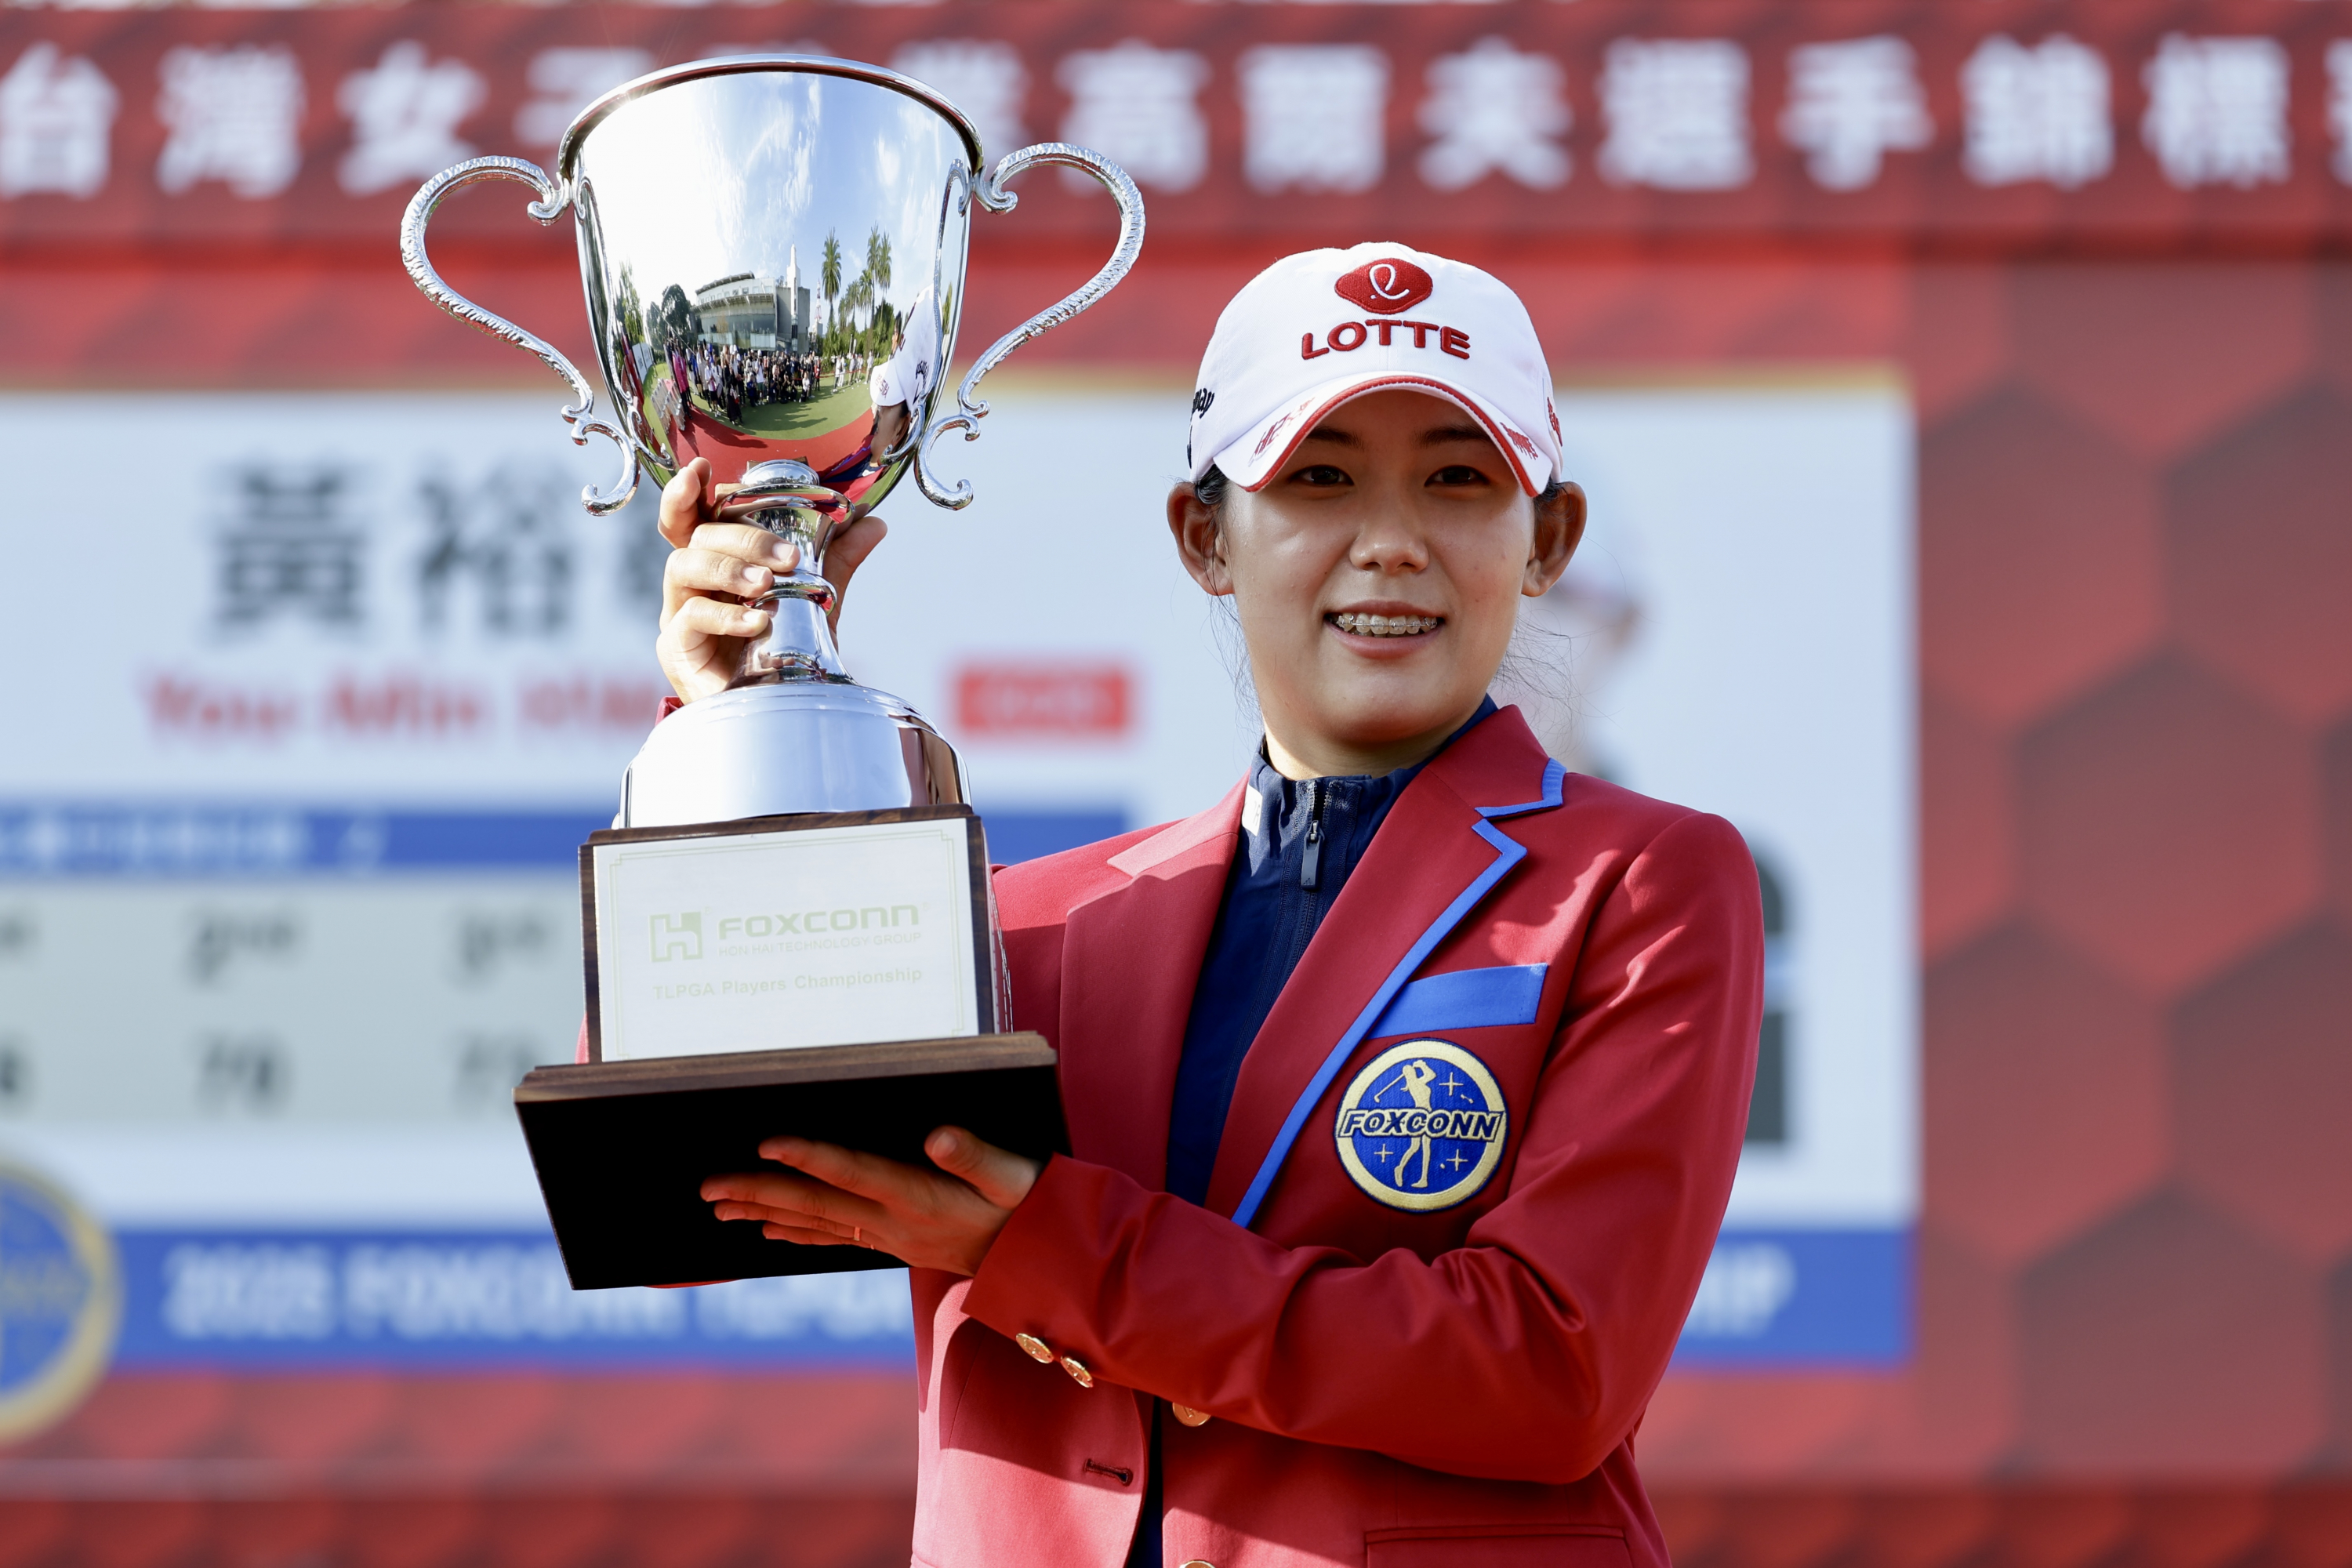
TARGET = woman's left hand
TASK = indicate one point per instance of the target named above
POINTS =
(831, 1196)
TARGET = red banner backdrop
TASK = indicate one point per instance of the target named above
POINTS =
(2013, 124)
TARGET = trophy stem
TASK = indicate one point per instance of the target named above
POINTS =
(784, 498)
(799, 645)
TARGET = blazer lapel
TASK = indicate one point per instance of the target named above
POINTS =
(1433, 861)
(1131, 958)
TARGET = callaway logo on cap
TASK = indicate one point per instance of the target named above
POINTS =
(1319, 328)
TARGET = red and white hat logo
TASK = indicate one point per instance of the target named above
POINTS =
(1318, 329)
(1388, 286)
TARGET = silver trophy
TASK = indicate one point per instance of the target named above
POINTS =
(791, 927)
(772, 248)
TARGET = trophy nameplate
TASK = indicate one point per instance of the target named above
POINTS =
(785, 932)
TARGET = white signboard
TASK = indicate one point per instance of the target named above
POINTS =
(289, 889)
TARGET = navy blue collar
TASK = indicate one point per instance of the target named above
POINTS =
(1323, 824)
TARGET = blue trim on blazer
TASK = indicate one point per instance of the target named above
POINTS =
(1465, 999)
(1555, 776)
(1508, 853)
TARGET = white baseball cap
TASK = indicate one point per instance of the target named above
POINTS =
(1315, 330)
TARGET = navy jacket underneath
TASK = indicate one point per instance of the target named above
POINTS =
(1296, 852)
(1300, 840)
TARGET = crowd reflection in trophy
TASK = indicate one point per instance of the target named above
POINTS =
(744, 343)
(730, 379)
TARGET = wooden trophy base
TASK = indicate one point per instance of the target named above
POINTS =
(623, 1148)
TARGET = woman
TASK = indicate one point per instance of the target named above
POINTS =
(1405, 1083)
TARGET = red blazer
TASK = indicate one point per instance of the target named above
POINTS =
(1481, 1148)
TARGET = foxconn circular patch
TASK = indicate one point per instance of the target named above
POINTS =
(1423, 1127)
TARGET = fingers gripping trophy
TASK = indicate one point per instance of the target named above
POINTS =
(789, 928)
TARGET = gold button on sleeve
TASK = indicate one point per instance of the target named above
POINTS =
(1077, 1370)
(1187, 1415)
(1033, 1348)
(1200, 1562)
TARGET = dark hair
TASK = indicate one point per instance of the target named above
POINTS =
(1213, 487)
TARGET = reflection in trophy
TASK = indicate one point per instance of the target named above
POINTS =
(772, 248)
(791, 927)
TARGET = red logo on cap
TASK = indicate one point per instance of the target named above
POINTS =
(1385, 288)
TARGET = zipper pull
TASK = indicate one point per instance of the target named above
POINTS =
(1309, 869)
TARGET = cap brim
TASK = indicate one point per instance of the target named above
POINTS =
(1253, 458)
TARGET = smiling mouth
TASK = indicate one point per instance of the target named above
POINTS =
(1364, 625)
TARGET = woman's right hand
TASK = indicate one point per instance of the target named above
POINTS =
(715, 566)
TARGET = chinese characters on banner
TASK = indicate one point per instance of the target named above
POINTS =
(1597, 118)
(412, 603)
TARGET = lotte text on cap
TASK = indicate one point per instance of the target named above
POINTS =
(1315, 330)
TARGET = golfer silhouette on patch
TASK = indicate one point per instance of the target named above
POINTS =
(1416, 1076)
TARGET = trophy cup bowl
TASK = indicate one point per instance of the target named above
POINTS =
(773, 252)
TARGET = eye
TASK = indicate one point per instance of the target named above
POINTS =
(1458, 475)
(1322, 475)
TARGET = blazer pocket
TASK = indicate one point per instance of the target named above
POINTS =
(1496, 1546)
(1465, 999)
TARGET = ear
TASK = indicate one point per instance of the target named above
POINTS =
(1559, 528)
(1200, 541)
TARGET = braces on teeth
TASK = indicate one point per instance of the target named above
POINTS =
(1385, 625)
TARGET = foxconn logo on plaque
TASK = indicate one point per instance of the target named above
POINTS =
(1042, 701)
(676, 937)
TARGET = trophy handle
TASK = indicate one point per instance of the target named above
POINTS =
(993, 196)
(552, 200)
